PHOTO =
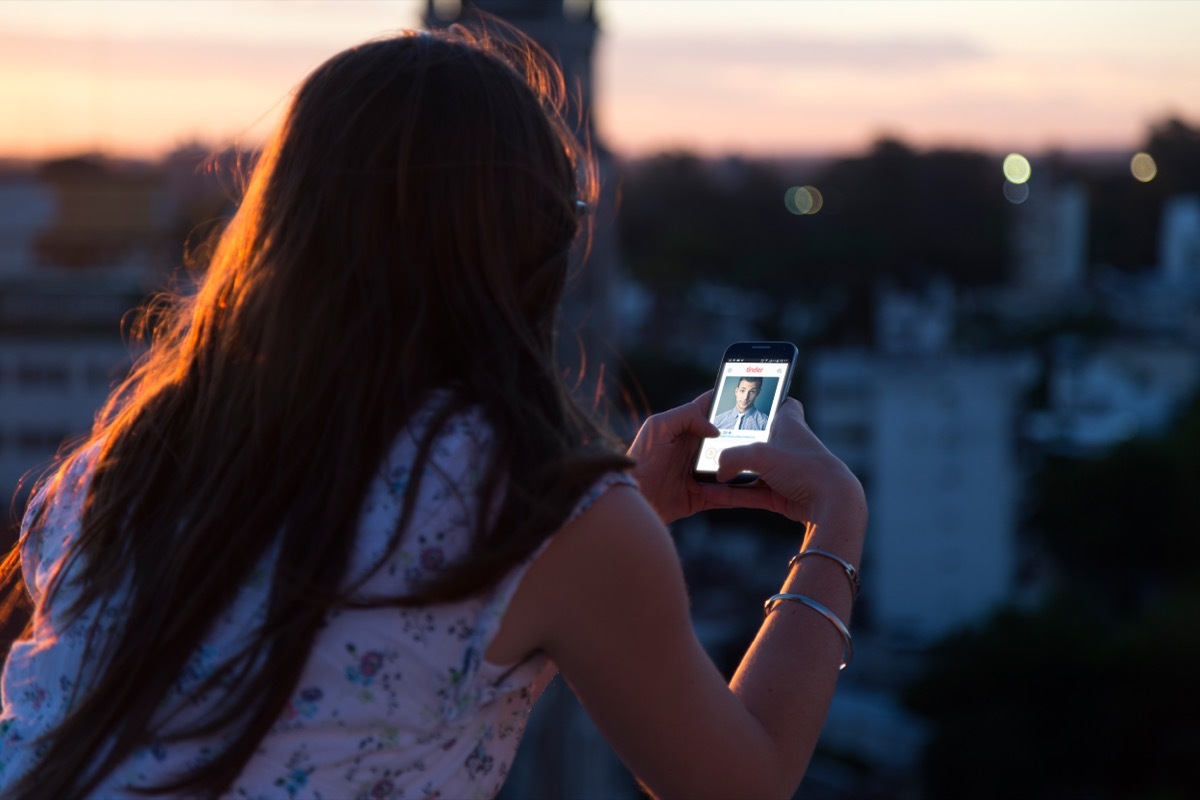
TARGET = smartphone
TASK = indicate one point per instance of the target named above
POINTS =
(752, 382)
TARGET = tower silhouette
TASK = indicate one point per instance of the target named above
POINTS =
(567, 30)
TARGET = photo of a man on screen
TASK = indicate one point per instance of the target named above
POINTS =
(744, 416)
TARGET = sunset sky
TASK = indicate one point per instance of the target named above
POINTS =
(778, 77)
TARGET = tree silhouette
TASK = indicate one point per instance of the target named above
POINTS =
(1126, 213)
(1091, 695)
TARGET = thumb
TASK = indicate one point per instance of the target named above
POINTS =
(734, 460)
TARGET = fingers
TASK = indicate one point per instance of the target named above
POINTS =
(667, 427)
(697, 415)
(761, 496)
(690, 418)
(790, 412)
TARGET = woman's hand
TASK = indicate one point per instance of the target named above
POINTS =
(664, 449)
(798, 476)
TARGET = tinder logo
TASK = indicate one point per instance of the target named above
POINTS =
(754, 369)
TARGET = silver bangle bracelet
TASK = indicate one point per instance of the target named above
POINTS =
(847, 567)
(847, 640)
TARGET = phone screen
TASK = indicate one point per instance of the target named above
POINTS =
(752, 382)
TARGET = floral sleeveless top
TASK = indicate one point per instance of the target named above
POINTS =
(393, 703)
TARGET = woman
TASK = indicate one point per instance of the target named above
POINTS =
(338, 527)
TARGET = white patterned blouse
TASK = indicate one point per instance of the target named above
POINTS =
(393, 703)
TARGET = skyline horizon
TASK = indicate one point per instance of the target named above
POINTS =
(1090, 154)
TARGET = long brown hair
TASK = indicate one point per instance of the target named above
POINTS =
(407, 229)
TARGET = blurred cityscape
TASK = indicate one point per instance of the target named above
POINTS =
(1005, 350)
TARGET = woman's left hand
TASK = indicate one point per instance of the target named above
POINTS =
(665, 449)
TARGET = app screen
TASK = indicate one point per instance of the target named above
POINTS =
(744, 408)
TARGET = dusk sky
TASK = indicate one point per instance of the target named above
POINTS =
(761, 77)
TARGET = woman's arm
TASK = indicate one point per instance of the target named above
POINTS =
(606, 601)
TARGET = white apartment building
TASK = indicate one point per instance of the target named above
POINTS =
(1050, 237)
(61, 348)
(1179, 240)
(50, 388)
(934, 441)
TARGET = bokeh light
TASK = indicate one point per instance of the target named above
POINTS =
(1016, 168)
(801, 200)
(1143, 167)
(1016, 193)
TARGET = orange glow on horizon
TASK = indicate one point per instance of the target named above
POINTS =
(756, 78)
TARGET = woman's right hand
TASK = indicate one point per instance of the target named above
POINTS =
(798, 476)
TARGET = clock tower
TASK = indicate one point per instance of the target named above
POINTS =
(567, 30)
